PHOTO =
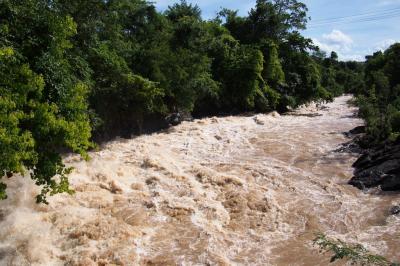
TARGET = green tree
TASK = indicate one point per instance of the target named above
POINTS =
(379, 101)
(34, 130)
(46, 111)
(272, 73)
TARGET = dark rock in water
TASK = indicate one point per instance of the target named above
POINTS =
(356, 145)
(306, 115)
(352, 146)
(349, 147)
(358, 130)
(378, 167)
(174, 119)
(355, 131)
(395, 210)
(366, 180)
(177, 118)
(362, 162)
(391, 182)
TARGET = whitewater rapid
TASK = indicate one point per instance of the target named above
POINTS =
(243, 190)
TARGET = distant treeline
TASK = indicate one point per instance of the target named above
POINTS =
(71, 70)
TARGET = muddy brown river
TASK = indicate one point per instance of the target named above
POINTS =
(247, 190)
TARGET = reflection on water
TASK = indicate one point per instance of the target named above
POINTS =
(217, 191)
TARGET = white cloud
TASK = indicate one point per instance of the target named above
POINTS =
(339, 42)
(323, 46)
(383, 45)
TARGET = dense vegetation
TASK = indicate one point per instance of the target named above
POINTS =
(379, 103)
(76, 71)
(379, 100)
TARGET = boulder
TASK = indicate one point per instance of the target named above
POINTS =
(379, 166)
(175, 119)
(350, 147)
(357, 130)
(391, 182)
(395, 210)
(367, 180)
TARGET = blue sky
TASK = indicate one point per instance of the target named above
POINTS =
(373, 25)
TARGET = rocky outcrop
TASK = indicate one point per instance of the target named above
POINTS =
(353, 146)
(356, 144)
(379, 166)
(395, 210)
(357, 130)
(175, 119)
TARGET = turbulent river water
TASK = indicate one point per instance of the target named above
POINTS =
(246, 190)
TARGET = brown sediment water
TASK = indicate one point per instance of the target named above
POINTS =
(245, 190)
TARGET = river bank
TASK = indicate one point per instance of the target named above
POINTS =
(378, 165)
(244, 190)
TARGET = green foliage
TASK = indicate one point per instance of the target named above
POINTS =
(274, 20)
(273, 97)
(272, 73)
(42, 113)
(395, 120)
(355, 254)
(239, 69)
(379, 102)
(272, 26)
(16, 145)
(339, 77)
(32, 130)
(183, 9)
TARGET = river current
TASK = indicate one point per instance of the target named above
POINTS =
(243, 190)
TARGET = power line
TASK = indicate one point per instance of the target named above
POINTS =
(375, 12)
(359, 18)
(377, 17)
